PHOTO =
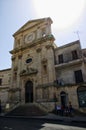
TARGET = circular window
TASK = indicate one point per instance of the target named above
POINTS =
(29, 60)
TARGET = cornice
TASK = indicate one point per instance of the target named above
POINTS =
(34, 43)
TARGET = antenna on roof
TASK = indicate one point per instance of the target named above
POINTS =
(77, 32)
(78, 35)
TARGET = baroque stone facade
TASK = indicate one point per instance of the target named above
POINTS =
(42, 72)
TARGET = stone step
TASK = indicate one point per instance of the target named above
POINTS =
(27, 110)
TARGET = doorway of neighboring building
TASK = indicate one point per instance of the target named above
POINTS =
(63, 96)
(29, 92)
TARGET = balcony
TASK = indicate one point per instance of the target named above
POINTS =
(70, 63)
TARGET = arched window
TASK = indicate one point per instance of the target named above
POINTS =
(81, 92)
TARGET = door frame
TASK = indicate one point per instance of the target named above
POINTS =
(29, 92)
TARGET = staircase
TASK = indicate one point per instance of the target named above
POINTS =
(29, 109)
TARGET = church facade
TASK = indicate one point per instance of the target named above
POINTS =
(43, 73)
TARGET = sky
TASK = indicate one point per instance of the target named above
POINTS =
(69, 22)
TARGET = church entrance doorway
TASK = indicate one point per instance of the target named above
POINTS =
(29, 92)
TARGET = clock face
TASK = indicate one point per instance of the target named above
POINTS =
(29, 37)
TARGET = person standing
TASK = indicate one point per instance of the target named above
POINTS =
(62, 110)
(70, 109)
(0, 107)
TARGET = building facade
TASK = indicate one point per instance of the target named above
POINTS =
(5, 78)
(42, 72)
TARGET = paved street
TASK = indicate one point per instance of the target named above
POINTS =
(37, 124)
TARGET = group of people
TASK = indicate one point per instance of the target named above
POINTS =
(64, 110)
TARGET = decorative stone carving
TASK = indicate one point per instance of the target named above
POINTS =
(48, 46)
(28, 71)
(44, 60)
(15, 68)
(23, 71)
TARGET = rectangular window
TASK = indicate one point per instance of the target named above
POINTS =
(74, 55)
(0, 81)
(60, 58)
(78, 76)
